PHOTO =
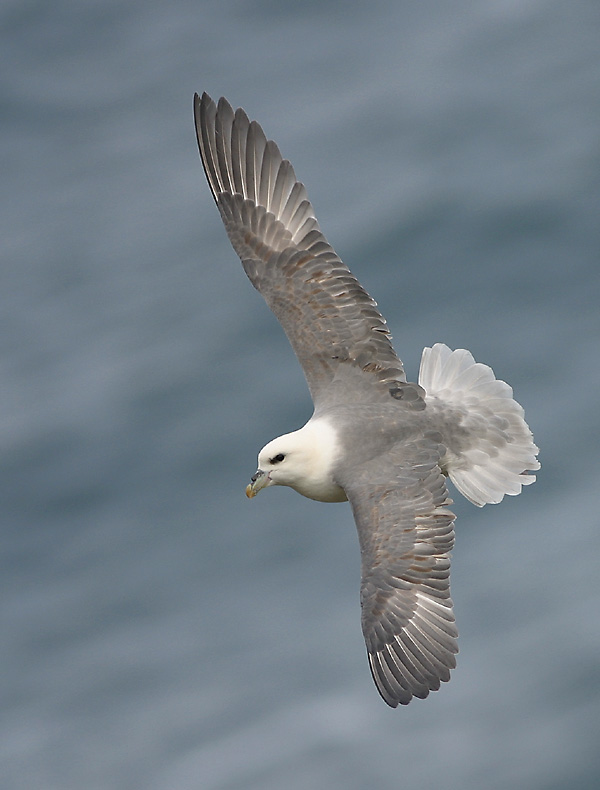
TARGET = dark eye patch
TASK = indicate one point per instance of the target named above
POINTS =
(278, 458)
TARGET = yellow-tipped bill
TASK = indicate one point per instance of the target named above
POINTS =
(258, 480)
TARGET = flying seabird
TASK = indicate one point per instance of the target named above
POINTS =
(375, 439)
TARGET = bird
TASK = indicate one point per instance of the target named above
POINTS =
(384, 444)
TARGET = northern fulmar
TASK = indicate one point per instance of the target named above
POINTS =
(381, 442)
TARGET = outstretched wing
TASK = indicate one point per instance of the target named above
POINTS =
(406, 534)
(331, 321)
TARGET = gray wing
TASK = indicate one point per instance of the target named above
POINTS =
(331, 321)
(406, 534)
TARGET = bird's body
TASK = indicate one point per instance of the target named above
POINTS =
(375, 439)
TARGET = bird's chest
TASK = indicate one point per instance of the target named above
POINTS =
(322, 490)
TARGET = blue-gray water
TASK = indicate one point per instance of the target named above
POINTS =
(160, 631)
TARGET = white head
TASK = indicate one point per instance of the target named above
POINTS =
(303, 460)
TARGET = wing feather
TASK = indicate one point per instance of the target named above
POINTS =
(284, 182)
(239, 133)
(255, 148)
(223, 131)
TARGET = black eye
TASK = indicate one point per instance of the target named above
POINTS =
(278, 458)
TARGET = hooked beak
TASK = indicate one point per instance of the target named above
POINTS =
(258, 480)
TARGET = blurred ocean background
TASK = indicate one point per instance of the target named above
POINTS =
(160, 631)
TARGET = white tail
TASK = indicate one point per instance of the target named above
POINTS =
(491, 452)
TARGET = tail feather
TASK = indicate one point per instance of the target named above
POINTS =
(490, 452)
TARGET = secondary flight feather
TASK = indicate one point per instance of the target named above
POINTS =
(384, 444)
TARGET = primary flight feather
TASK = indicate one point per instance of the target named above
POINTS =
(384, 444)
